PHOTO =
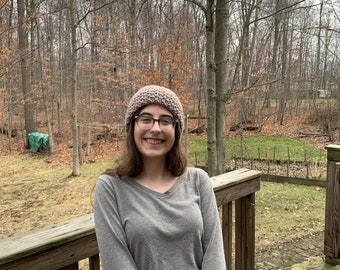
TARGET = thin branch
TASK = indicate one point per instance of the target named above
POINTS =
(199, 5)
(3, 3)
(93, 10)
(255, 85)
(279, 11)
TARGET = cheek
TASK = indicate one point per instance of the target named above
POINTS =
(172, 139)
(137, 137)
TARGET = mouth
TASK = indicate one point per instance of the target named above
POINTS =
(153, 141)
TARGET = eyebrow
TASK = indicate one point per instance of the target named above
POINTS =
(150, 114)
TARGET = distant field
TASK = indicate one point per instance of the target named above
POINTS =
(260, 147)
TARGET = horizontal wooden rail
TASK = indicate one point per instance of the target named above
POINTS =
(63, 245)
(60, 246)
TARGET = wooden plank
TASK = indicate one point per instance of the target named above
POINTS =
(232, 193)
(336, 214)
(47, 240)
(333, 152)
(94, 262)
(227, 230)
(332, 254)
(293, 180)
(332, 220)
(232, 178)
(245, 233)
(73, 266)
(57, 257)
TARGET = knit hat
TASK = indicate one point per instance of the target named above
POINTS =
(154, 94)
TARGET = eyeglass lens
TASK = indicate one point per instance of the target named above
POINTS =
(147, 121)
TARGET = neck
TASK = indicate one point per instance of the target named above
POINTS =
(154, 169)
(155, 176)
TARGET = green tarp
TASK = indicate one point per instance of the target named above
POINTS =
(37, 141)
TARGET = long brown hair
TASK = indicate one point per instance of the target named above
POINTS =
(131, 163)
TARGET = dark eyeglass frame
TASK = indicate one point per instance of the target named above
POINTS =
(163, 125)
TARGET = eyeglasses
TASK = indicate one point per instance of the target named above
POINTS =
(147, 122)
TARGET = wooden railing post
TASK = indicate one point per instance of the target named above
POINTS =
(332, 212)
(227, 228)
(94, 262)
(73, 266)
(245, 232)
(239, 186)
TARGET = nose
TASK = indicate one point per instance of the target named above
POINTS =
(156, 126)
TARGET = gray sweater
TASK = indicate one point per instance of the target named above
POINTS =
(138, 228)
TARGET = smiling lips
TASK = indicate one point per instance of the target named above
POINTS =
(153, 141)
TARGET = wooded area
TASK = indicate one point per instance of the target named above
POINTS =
(65, 64)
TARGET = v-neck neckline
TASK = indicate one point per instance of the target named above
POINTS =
(157, 193)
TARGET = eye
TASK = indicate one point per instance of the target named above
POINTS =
(145, 119)
(166, 121)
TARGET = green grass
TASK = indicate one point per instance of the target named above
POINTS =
(258, 147)
(286, 211)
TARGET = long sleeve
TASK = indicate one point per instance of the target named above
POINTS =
(213, 258)
(110, 234)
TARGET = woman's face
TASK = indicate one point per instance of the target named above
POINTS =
(154, 131)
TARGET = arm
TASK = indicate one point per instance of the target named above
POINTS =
(110, 234)
(212, 239)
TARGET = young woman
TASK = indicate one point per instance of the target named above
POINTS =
(151, 212)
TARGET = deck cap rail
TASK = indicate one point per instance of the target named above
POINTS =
(33, 242)
(232, 178)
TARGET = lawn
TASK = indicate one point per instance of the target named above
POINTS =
(288, 211)
(259, 147)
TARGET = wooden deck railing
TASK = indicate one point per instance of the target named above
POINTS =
(62, 246)
(332, 215)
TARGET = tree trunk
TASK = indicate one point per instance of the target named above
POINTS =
(221, 61)
(211, 91)
(93, 79)
(284, 87)
(25, 66)
(59, 95)
(42, 82)
(75, 156)
(8, 84)
(318, 50)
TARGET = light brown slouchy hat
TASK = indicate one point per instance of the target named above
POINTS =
(154, 94)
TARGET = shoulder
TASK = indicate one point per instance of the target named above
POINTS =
(202, 182)
(197, 172)
(199, 176)
(106, 179)
(108, 183)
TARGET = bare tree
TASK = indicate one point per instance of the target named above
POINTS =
(74, 114)
(221, 62)
(283, 90)
(43, 86)
(25, 64)
(8, 85)
(211, 90)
